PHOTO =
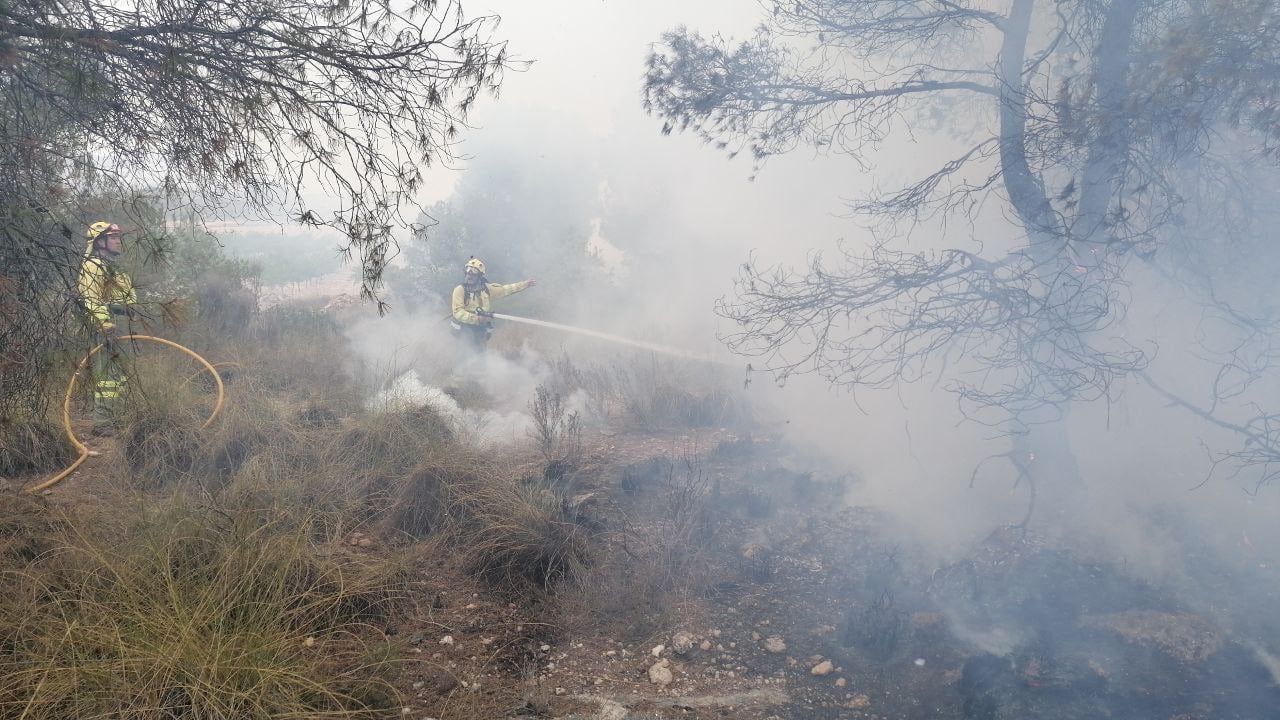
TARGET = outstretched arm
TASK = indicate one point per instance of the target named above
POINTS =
(497, 291)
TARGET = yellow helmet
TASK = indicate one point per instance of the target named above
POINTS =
(99, 228)
(474, 264)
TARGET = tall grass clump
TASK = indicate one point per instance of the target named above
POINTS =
(195, 614)
(518, 538)
(32, 442)
(522, 538)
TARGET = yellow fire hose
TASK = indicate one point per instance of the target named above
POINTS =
(71, 388)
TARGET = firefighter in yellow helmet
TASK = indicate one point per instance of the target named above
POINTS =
(107, 292)
(471, 308)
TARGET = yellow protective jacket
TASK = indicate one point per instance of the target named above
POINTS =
(465, 304)
(104, 291)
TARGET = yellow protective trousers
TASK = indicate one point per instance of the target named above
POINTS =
(110, 382)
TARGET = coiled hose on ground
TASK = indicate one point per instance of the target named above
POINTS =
(71, 389)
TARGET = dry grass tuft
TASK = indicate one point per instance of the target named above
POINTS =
(189, 613)
(32, 445)
(520, 537)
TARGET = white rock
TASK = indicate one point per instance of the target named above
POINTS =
(823, 668)
(660, 673)
(657, 650)
(446, 640)
(681, 643)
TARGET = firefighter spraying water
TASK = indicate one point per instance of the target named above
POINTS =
(472, 316)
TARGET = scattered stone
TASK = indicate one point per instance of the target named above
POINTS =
(446, 640)
(657, 650)
(704, 645)
(681, 643)
(919, 662)
(365, 542)
(415, 639)
(660, 673)
(406, 711)
(841, 682)
(309, 642)
(755, 636)
(560, 691)
(775, 645)
(418, 685)
(823, 668)
(859, 702)
(471, 606)
(545, 648)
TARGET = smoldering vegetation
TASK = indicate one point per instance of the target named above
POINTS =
(981, 425)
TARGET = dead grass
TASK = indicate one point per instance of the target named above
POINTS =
(183, 612)
(30, 445)
(520, 537)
